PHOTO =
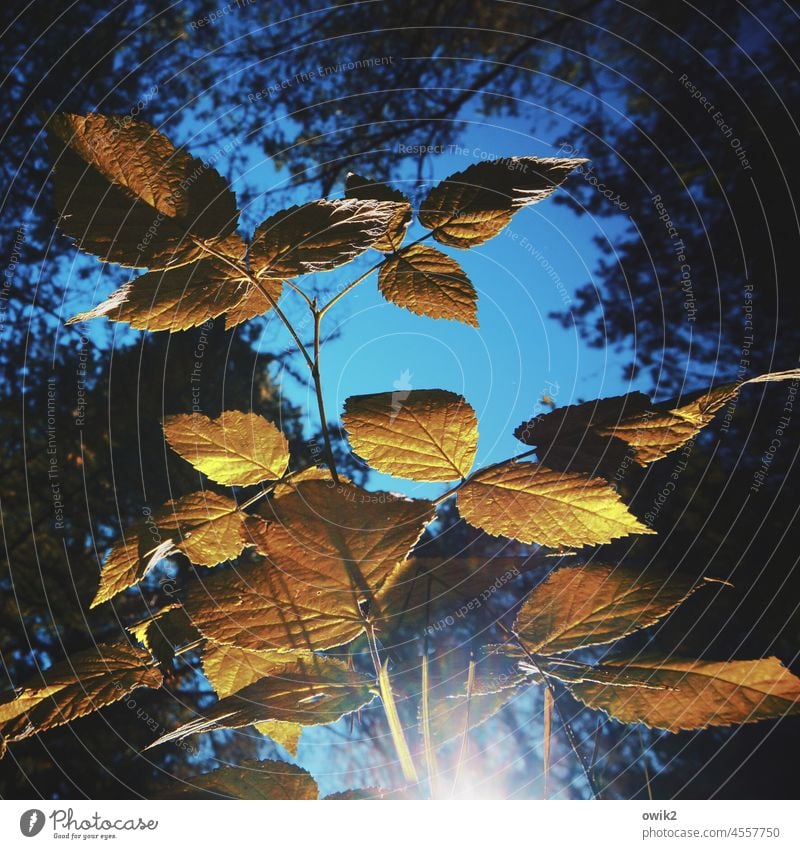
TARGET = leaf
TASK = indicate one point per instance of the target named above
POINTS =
(318, 236)
(428, 282)
(236, 449)
(286, 733)
(343, 539)
(129, 560)
(697, 693)
(430, 589)
(421, 434)
(312, 473)
(206, 527)
(312, 691)
(181, 298)
(230, 669)
(250, 780)
(567, 438)
(264, 607)
(472, 206)
(359, 188)
(127, 195)
(531, 503)
(74, 687)
(577, 435)
(253, 302)
(591, 605)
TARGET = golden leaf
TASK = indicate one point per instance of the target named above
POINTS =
(129, 560)
(206, 527)
(359, 188)
(230, 668)
(249, 780)
(126, 195)
(312, 691)
(474, 205)
(424, 434)
(263, 607)
(342, 539)
(312, 473)
(581, 436)
(175, 299)
(237, 449)
(592, 605)
(318, 236)
(696, 693)
(531, 503)
(286, 733)
(74, 687)
(428, 282)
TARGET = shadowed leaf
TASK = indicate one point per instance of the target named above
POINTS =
(311, 691)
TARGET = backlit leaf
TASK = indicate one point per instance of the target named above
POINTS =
(531, 503)
(74, 687)
(230, 668)
(422, 434)
(286, 733)
(129, 560)
(206, 527)
(127, 195)
(342, 538)
(592, 605)
(175, 299)
(250, 780)
(265, 607)
(360, 188)
(312, 691)
(474, 205)
(318, 236)
(428, 282)
(236, 449)
(697, 693)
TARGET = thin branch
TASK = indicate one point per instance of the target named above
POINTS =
(315, 373)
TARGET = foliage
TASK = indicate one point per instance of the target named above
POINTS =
(322, 566)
